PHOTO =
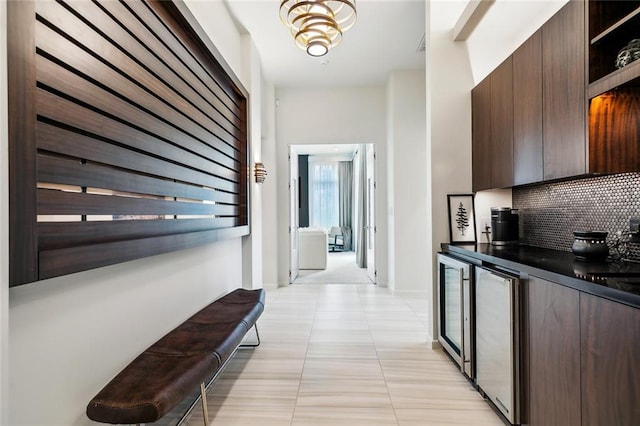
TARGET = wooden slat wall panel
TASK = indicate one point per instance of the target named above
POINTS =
(82, 145)
(76, 173)
(66, 84)
(56, 235)
(157, 104)
(185, 34)
(54, 263)
(23, 249)
(153, 79)
(127, 104)
(53, 108)
(155, 36)
(55, 202)
(78, 18)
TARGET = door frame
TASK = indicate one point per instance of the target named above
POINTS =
(369, 164)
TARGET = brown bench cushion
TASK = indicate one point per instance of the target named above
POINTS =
(169, 370)
(150, 387)
(190, 338)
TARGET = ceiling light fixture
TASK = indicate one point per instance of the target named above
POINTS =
(317, 25)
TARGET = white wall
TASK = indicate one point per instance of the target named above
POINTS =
(329, 116)
(252, 244)
(507, 24)
(408, 215)
(450, 83)
(4, 224)
(67, 337)
(270, 188)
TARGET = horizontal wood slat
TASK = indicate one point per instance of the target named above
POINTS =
(53, 263)
(56, 235)
(129, 139)
(68, 172)
(82, 145)
(55, 202)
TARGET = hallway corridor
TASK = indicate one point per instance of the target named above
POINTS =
(343, 355)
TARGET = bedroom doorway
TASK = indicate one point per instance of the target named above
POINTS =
(332, 220)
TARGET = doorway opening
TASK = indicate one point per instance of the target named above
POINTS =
(332, 214)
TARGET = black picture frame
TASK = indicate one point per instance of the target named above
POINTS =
(462, 218)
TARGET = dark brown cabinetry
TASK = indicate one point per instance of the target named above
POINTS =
(502, 125)
(574, 112)
(481, 131)
(564, 92)
(610, 362)
(614, 93)
(527, 111)
(492, 127)
(583, 358)
(543, 136)
(553, 313)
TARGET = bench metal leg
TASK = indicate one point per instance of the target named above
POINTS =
(205, 409)
(252, 345)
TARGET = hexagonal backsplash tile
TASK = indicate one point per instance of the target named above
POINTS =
(551, 212)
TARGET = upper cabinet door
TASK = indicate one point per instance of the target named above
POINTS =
(564, 92)
(527, 111)
(502, 125)
(481, 135)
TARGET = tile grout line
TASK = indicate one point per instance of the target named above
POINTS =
(306, 353)
(384, 377)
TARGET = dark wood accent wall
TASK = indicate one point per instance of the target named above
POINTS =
(128, 136)
(614, 131)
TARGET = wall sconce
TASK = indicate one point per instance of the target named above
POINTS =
(260, 172)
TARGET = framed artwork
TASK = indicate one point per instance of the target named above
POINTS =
(462, 219)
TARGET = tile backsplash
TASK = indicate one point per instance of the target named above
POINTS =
(549, 213)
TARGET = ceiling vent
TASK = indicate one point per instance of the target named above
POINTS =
(422, 45)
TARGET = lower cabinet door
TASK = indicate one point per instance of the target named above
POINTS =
(553, 327)
(610, 335)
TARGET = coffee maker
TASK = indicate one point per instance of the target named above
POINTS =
(504, 226)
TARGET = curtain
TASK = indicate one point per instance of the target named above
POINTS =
(361, 208)
(345, 201)
(324, 194)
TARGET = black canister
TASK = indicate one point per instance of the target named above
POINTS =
(504, 226)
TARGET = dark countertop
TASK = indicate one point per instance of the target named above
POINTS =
(560, 267)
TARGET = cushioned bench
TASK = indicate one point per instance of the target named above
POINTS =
(169, 370)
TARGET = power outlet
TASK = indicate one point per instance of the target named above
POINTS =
(485, 226)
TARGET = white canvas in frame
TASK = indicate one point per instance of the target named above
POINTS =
(462, 219)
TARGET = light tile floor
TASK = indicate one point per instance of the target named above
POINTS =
(343, 355)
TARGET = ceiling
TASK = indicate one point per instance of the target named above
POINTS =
(385, 38)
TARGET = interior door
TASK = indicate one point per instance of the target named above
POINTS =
(293, 214)
(371, 214)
